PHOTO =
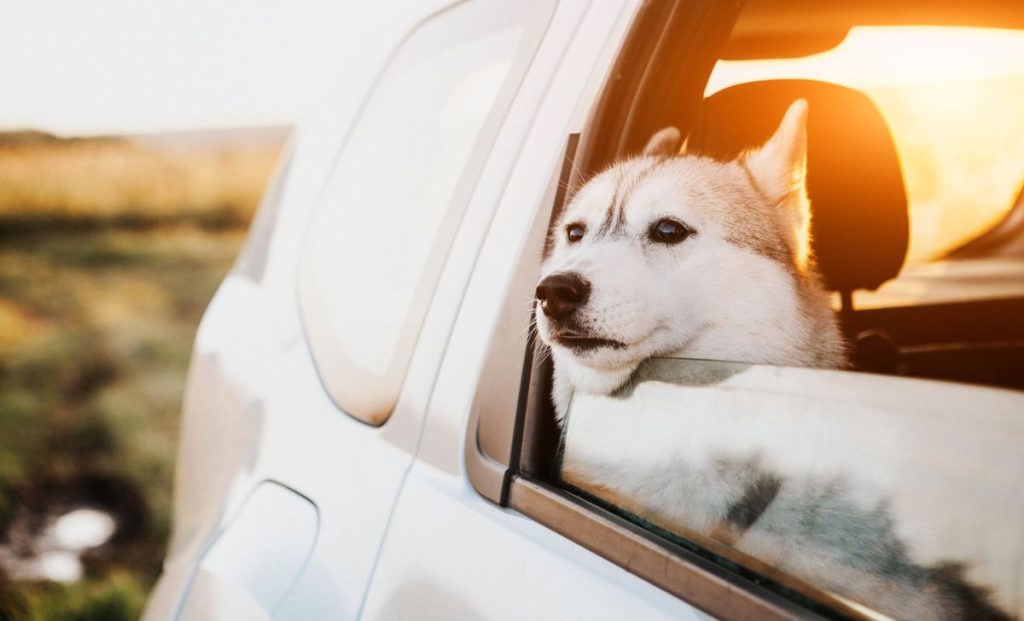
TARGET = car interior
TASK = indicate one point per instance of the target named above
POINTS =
(963, 320)
(860, 233)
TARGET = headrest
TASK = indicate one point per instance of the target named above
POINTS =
(859, 224)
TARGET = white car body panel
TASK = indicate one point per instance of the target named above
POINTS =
(450, 555)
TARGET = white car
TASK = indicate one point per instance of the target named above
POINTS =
(367, 429)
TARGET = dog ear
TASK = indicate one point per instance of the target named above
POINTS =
(779, 168)
(664, 143)
(780, 165)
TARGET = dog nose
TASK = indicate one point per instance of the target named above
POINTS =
(560, 294)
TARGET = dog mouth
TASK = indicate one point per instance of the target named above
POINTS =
(583, 342)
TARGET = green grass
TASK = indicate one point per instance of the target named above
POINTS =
(96, 330)
(118, 595)
(110, 250)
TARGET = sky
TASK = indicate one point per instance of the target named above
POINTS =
(83, 67)
(127, 66)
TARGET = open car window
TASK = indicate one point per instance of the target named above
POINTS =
(867, 468)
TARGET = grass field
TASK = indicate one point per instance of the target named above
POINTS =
(47, 181)
(109, 253)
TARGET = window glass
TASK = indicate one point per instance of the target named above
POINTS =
(393, 202)
(877, 490)
(252, 259)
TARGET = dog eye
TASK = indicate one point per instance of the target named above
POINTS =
(667, 231)
(574, 232)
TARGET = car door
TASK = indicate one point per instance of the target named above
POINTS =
(894, 468)
(449, 552)
(377, 288)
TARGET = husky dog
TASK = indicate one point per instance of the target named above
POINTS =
(667, 255)
(682, 256)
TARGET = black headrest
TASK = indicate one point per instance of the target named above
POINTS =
(859, 224)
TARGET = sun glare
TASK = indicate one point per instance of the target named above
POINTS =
(953, 99)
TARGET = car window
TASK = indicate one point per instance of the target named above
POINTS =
(395, 198)
(713, 366)
(252, 258)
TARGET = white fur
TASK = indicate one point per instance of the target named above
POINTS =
(711, 296)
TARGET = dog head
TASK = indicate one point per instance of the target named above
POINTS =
(658, 253)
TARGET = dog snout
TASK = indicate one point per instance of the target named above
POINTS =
(560, 294)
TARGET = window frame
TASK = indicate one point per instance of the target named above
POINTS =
(323, 344)
(510, 443)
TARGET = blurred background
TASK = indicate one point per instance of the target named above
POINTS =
(136, 139)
